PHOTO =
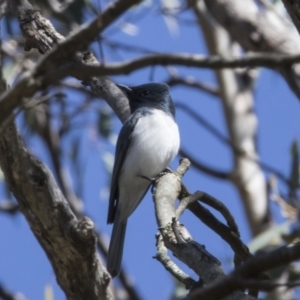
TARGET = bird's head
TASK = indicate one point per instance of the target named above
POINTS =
(151, 95)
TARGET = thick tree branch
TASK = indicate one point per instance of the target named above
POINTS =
(252, 267)
(69, 239)
(259, 30)
(251, 60)
(234, 241)
(162, 256)
(241, 120)
(40, 34)
(229, 233)
(34, 80)
(51, 138)
(176, 237)
(70, 244)
(293, 8)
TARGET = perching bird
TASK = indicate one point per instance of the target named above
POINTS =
(147, 143)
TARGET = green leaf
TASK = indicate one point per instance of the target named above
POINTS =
(31, 120)
(105, 122)
(179, 291)
(271, 235)
(48, 292)
(108, 160)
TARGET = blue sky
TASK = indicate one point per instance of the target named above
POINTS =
(24, 266)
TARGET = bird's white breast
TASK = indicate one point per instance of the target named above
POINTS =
(155, 143)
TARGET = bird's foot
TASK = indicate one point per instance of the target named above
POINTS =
(147, 178)
(162, 173)
(153, 179)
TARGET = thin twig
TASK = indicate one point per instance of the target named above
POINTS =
(171, 267)
(229, 234)
(215, 132)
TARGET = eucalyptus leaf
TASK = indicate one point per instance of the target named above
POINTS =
(273, 234)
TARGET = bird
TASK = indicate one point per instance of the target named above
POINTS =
(148, 141)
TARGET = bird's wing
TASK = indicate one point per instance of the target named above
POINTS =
(123, 144)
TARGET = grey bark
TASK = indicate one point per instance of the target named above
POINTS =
(70, 244)
(238, 102)
(177, 238)
(259, 30)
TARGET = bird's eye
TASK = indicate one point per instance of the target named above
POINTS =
(145, 93)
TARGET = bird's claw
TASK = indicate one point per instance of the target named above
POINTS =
(147, 178)
(153, 179)
(164, 172)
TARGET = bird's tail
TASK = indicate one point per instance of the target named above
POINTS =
(115, 251)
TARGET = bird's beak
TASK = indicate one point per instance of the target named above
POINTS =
(124, 88)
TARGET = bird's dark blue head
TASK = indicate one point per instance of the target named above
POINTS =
(151, 95)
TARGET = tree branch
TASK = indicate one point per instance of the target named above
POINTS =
(236, 90)
(176, 237)
(220, 174)
(226, 141)
(193, 83)
(51, 138)
(170, 266)
(293, 8)
(251, 60)
(252, 267)
(229, 233)
(259, 30)
(40, 34)
(70, 244)
(8, 295)
(35, 80)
